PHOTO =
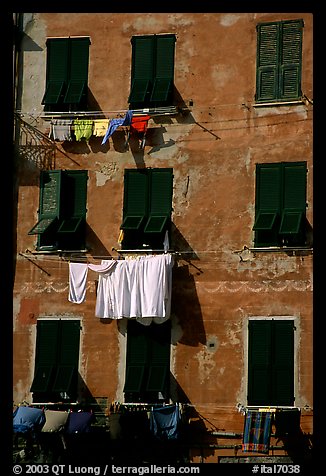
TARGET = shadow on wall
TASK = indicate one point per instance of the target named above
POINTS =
(297, 444)
(185, 306)
(95, 245)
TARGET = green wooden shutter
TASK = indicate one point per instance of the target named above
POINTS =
(72, 227)
(57, 69)
(259, 362)
(78, 70)
(159, 362)
(142, 68)
(268, 195)
(160, 199)
(283, 363)
(164, 68)
(279, 61)
(46, 355)
(294, 197)
(68, 355)
(267, 61)
(50, 201)
(137, 357)
(74, 199)
(135, 204)
(291, 58)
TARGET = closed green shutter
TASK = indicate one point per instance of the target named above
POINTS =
(279, 51)
(135, 199)
(57, 69)
(46, 355)
(291, 58)
(68, 355)
(283, 363)
(159, 363)
(160, 199)
(259, 362)
(267, 62)
(137, 357)
(271, 362)
(57, 355)
(50, 202)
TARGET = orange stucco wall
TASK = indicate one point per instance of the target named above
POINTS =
(213, 150)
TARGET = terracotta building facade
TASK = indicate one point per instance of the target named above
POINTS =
(164, 161)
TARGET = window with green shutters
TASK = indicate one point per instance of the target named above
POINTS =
(279, 61)
(147, 362)
(66, 74)
(280, 218)
(147, 207)
(271, 362)
(152, 71)
(56, 360)
(62, 210)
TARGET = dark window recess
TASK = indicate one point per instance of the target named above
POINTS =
(147, 362)
(62, 210)
(66, 74)
(147, 207)
(279, 61)
(56, 360)
(271, 362)
(281, 204)
(152, 71)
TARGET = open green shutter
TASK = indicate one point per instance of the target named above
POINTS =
(135, 205)
(294, 197)
(291, 57)
(160, 198)
(142, 68)
(259, 362)
(46, 355)
(267, 61)
(57, 69)
(164, 68)
(268, 195)
(78, 70)
(74, 198)
(50, 201)
(283, 363)
(295, 182)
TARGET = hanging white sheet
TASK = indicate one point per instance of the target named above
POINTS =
(134, 288)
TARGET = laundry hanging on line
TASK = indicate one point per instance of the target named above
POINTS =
(138, 288)
(83, 129)
(115, 123)
(60, 129)
(165, 421)
(257, 430)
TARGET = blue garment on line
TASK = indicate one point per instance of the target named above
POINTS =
(115, 123)
(28, 419)
(164, 422)
(79, 422)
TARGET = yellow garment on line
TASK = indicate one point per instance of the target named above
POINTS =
(83, 128)
(100, 127)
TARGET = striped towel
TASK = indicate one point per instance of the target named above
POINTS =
(257, 430)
